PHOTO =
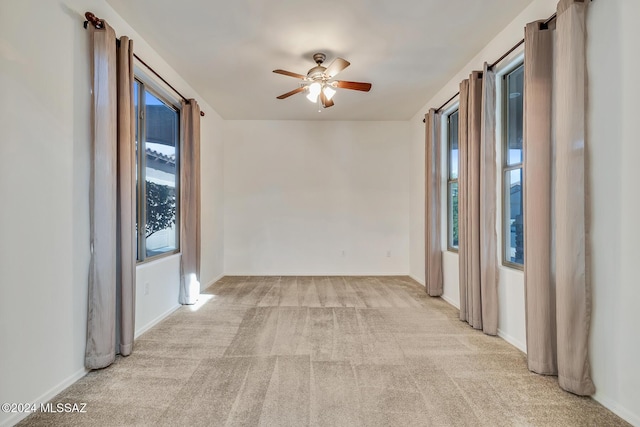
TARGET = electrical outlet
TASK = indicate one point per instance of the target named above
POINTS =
(344, 253)
(388, 254)
(146, 288)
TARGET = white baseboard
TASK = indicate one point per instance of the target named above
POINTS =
(420, 281)
(513, 341)
(44, 398)
(508, 338)
(624, 413)
(450, 301)
(213, 281)
(154, 322)
(164, 315)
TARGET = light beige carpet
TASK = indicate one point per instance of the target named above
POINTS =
(322, 351)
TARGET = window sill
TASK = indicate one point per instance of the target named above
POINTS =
(158, 258)
(512, 266)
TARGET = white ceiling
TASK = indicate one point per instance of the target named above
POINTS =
(408, 49)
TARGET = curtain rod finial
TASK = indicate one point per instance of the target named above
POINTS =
(97, 22)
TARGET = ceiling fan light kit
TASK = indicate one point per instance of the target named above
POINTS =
(319, 83)
(314, 90)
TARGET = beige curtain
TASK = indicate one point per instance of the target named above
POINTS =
(469, 200)
(488, 234)
(573, 294)
(556, 238)
(433, 251)
(538, 197)
(463, 112)
(190, 203)
(476, 207)
(111, 305)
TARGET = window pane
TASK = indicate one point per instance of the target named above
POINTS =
(135, 107)
(161, 136)
(515, 89)
(136, 104)
(453, 145)
(453, 214)
(514, 226)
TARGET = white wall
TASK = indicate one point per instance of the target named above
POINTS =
(615, 205)
(299, 193)
(156, 291)
(416, 198)
(44, 188)
(212, 197)
(613, 140)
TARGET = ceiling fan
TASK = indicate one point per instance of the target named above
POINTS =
(319, 83)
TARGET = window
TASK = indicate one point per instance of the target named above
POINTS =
(452, 181)
(157, 159)
(512, 221)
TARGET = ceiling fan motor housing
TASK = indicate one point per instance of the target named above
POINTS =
(316, 73)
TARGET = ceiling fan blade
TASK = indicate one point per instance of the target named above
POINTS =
(336, 66)
(365, 87)
(293, 92)
(289, 73)
(326, 103)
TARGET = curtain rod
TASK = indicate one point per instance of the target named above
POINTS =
(545, 24)
(447, 101)
(98, 24)
(497, 61)
(517, 45)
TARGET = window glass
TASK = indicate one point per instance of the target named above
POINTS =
(514, 89)
(161, 125)
(136, 105)
(513, 226)
(453, 145)
(453, 220)
(157, 143)
(452, 181)
(513, 212)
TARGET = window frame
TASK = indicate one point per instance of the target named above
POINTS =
(446, 117)
(145, 83)
(505, 167)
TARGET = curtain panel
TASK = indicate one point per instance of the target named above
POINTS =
(558, 294)
(469, 199)
(478, 264)
(539, 277)
(111, 304)
(463, 126)
(472, 244)
(573, 293)
(433, 245)
(190, 203)
(488, 214)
